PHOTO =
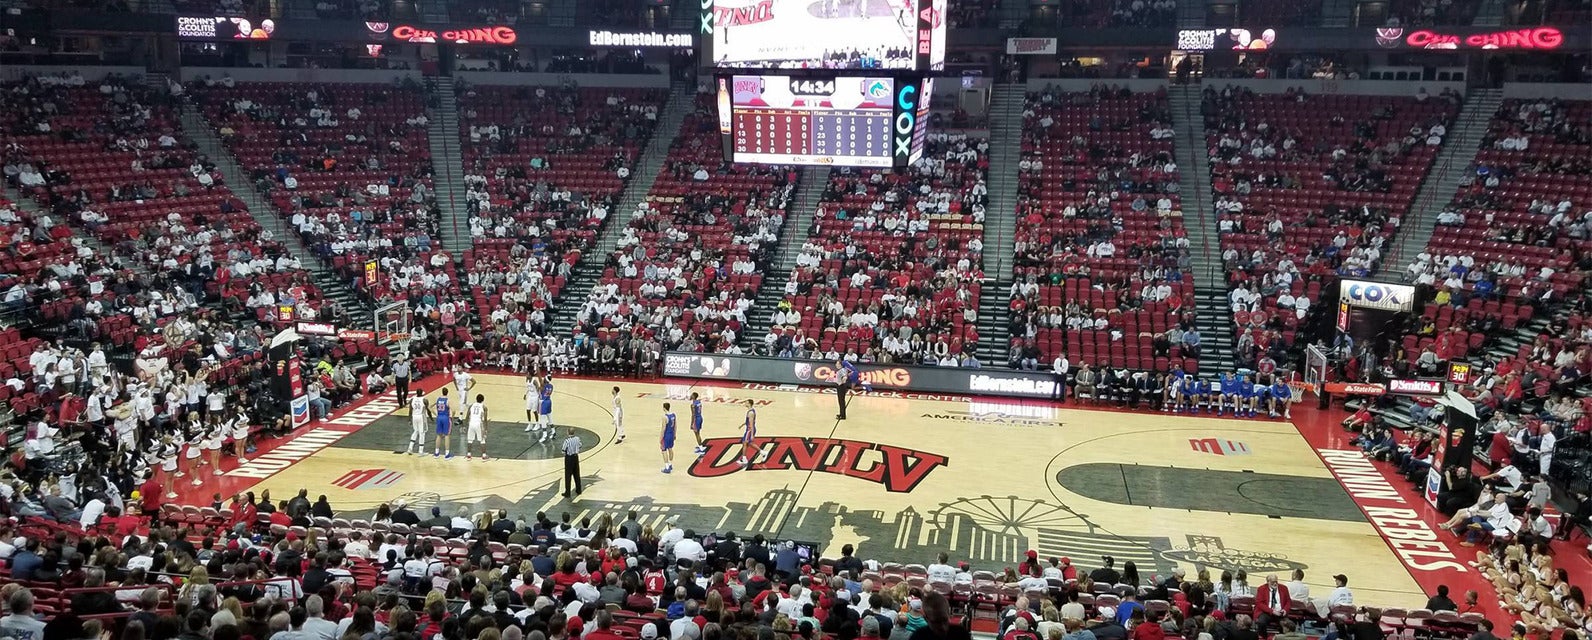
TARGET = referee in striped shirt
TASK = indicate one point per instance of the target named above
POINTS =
(571, 448)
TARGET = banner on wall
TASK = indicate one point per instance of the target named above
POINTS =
(882, 377)
(1031, 46)
(1385, 296)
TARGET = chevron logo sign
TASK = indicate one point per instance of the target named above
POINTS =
(360, 479)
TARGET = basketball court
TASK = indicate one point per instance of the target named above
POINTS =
(903, 478)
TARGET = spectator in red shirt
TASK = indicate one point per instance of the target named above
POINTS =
(605, 621)
(1146, 628)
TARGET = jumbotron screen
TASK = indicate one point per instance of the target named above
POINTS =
(825, 34)
(840, 121)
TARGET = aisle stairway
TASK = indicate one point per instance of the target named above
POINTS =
(447, 162)
(1212, 315)
(197, 129)
(1000, 223)
(1442, 182)
(799, 216)
(589, 270)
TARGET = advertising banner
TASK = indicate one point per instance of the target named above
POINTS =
(1377, 295)
(893, 377)
(1031, 46)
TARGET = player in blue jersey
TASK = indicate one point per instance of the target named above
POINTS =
(1202, 394)
(444, 426)
(1191, 393)
(749, 436)
(1246, 397)
(696, 422)
(666, 443)
(1228, 388)
(546, 408)
(1281, 395)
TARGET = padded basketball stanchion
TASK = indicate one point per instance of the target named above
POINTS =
(1323, 400)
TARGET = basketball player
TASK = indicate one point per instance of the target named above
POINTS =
(846, 377)
(463, 381)
(444, 425)
(749, 436)
(1246, 397)
(533, 401)
(1281, 395)
(619, 418)
(696, 422)
(1202, 394)
(419, 416)
(546, 408)
(475, 429)
(666, 443)
(1228, 383)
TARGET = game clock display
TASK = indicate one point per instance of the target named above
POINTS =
(841, 121)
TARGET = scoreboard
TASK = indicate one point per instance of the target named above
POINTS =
(861, 121)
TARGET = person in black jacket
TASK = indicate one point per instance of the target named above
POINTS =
(757, 550)
(404, 515)
(1460, 489)
(1366, 626)
(728, 551)
(848, 562)
(95, 602)
(1441, 601)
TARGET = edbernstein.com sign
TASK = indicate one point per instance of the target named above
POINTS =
(988, 382)
(601, 38)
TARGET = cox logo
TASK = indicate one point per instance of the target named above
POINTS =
(906, 119)
(1380, 295)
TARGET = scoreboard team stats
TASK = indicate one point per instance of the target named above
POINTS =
(824, 82)
(784, 119)
(863, 121)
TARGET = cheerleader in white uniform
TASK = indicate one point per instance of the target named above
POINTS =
(215, 436)
(167, 455)
(194, 447)
(240, 434)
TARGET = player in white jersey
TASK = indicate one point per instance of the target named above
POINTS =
(619, 418)
(419, 417)
(475, 426)
(462, 380)
(533, 401)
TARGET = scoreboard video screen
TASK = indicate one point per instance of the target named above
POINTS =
(780, 119)
(843, 121)
(907, 35)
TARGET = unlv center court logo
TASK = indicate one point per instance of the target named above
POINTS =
(359, 479)
(900, 470)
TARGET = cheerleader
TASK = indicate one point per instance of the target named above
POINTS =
(195, 443)
(215, 436)
(166, 454)
(239, 425)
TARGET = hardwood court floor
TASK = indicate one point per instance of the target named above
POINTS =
(903, 479)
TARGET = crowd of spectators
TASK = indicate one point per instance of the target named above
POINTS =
(1101, 253)
(891, 267)
(349, 167)
(544, 168)
(688, 263)
(109, 157)
(1302, 200)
